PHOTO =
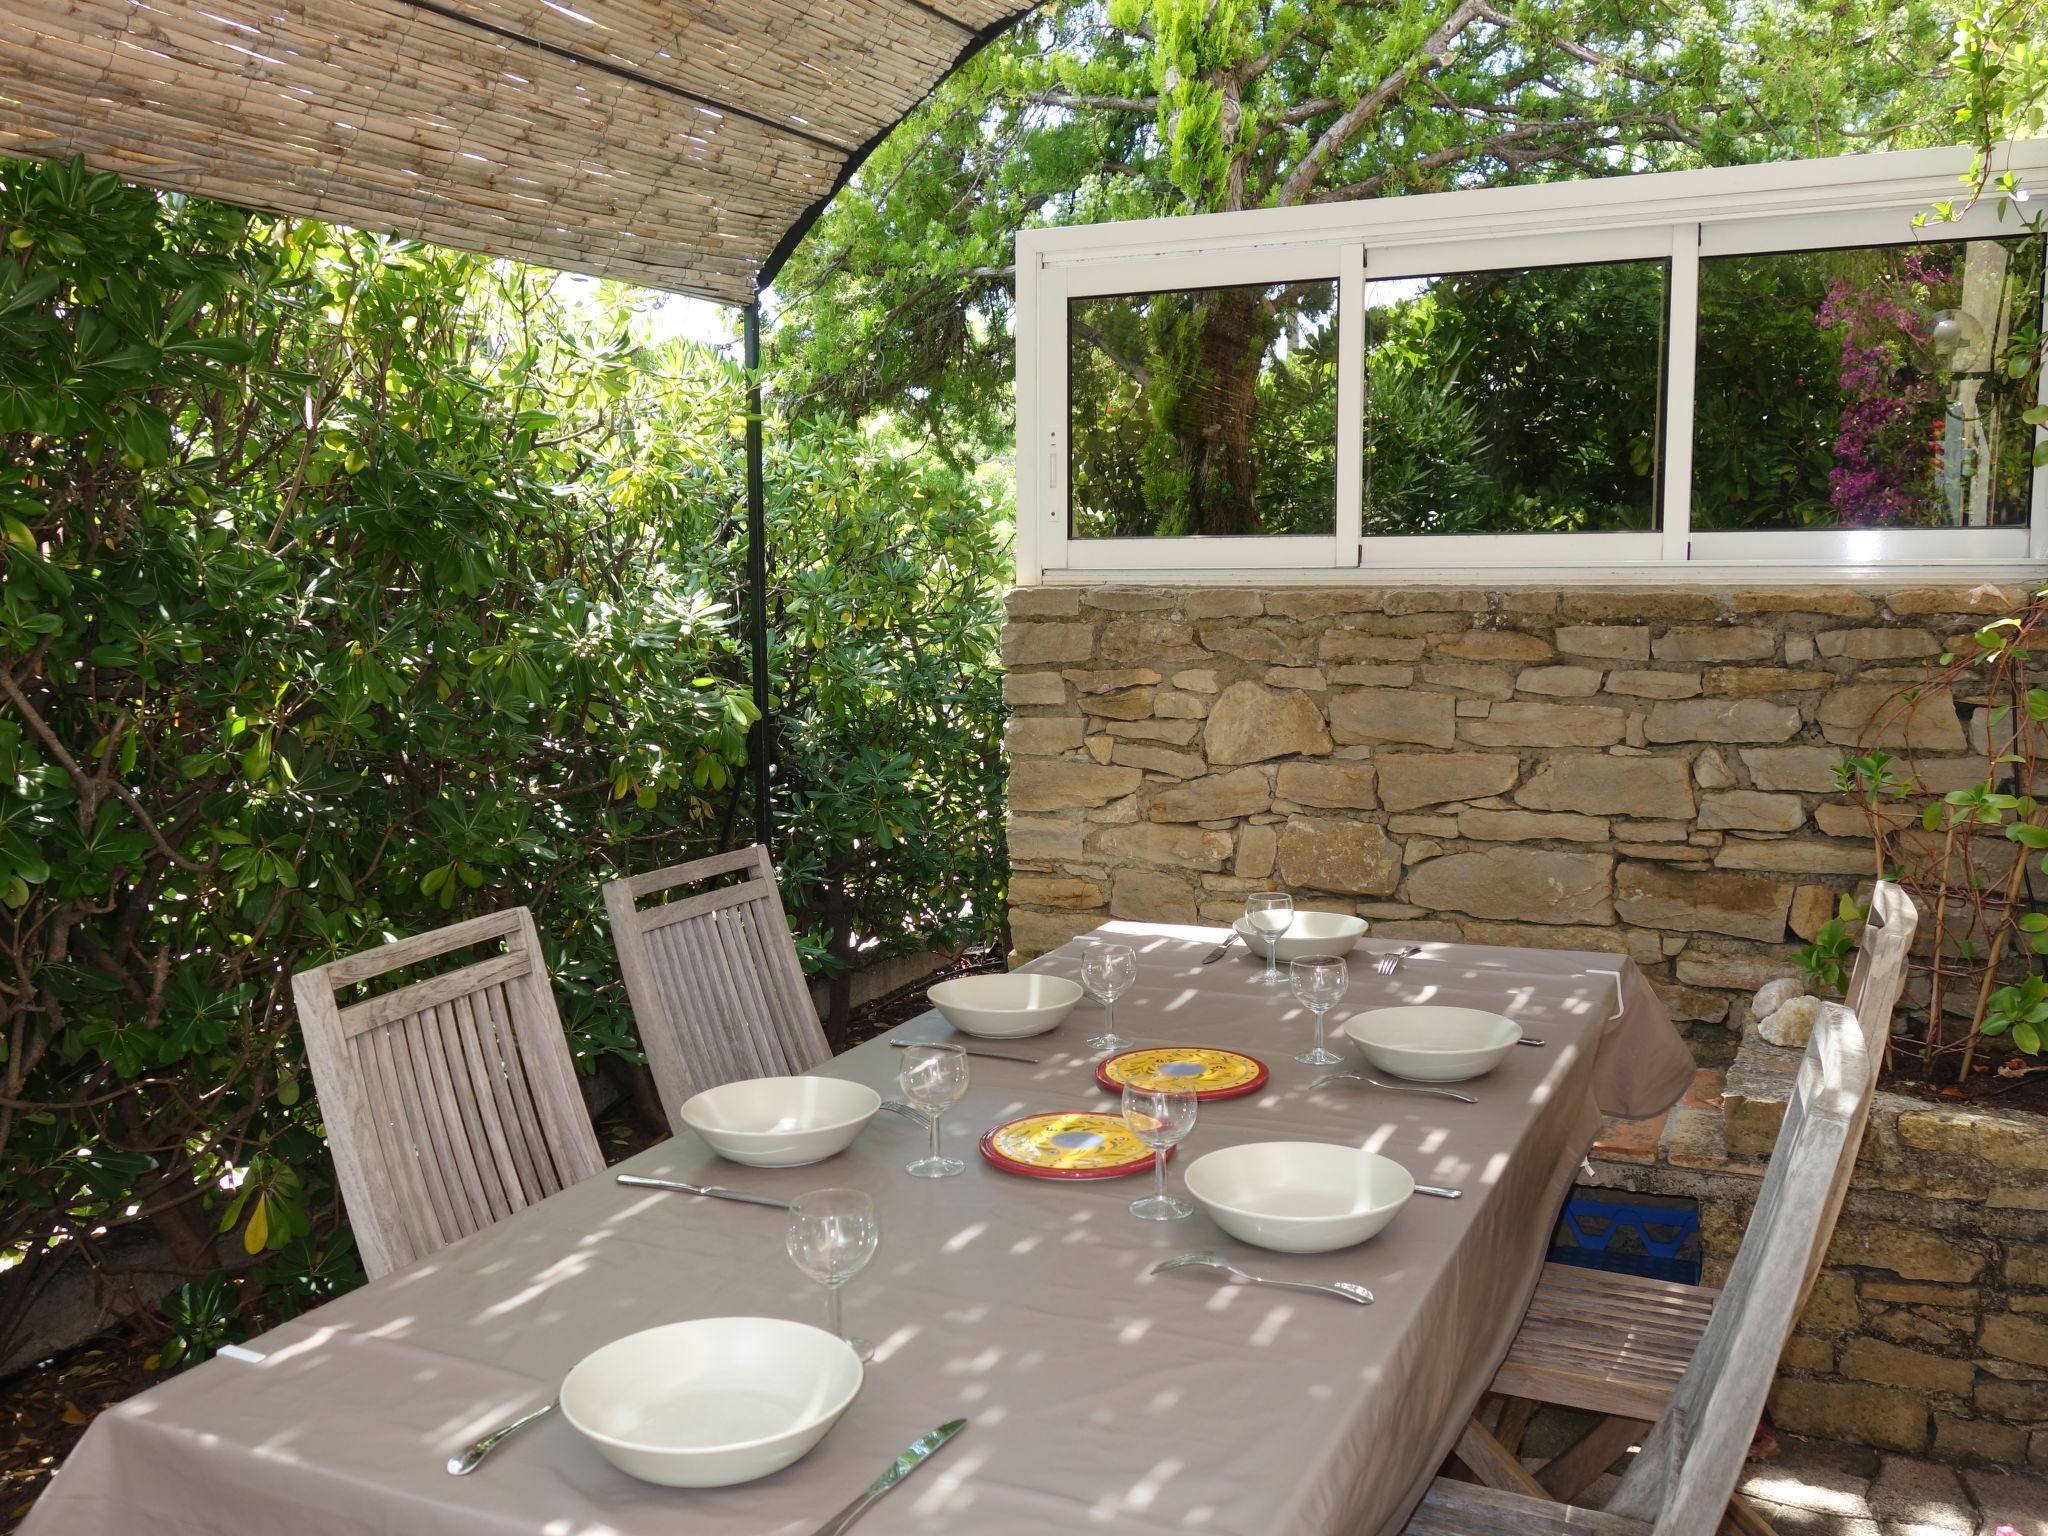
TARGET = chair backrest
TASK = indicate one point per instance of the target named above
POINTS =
(1879, 975)
(1876, 981)
(451, 1101)
(1692, 1458)
(717, 990)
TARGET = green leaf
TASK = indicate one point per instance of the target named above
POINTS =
(31, 293)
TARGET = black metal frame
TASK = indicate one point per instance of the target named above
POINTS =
(762, 746)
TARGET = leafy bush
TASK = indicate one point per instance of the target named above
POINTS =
(352, 587)
(884, 622)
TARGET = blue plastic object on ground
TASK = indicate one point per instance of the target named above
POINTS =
(1653, 1235)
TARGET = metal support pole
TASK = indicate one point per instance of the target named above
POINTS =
(761, 747)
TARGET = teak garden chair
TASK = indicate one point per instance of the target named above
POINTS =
(451, 1101)
(1681, 1482)
(717, 990)
(1618, 1345)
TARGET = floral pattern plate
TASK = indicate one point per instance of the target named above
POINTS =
(1067, 1144)
(1212, 1073)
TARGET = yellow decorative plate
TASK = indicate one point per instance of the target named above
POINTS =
(1067, 1144)
(1212, 1073)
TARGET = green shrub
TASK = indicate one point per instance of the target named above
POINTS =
(352, 587)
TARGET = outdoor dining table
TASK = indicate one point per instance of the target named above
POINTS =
(1098, 1396)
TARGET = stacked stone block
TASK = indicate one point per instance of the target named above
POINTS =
(1642, 772)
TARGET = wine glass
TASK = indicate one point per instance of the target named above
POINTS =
(832, 1235)
(1319, 983)
(934, 1076)
(1107, 971)
(1270, 914)
(1161, 1118)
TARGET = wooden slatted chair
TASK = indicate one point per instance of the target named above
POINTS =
(451, 1101)
(1681, 1482)
(717, 990)
(1617, 1345)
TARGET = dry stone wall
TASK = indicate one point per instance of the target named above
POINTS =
(1646, 772)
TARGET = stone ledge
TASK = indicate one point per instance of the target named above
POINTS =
(1913, 1146)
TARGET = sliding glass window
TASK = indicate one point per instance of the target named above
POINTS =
(1867, 388)
(1523, 401)
(1786, 367)
(1206, 412)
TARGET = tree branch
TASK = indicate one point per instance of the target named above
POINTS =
(1435, 49)
(1130, 365)
(1073, 102)
(91, 789)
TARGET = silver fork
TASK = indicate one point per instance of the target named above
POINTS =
(1346, 1289)
(1365, 1077)
(1390, 963)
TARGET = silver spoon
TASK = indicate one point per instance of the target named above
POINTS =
(1360, 1077)
(1345, 1289)
(468, 1461)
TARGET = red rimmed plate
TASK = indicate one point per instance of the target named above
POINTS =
(1067, 1144)
(1212, 1073)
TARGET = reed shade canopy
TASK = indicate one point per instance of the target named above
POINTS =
(679, 144)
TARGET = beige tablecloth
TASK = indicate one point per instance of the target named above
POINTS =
(1100, 1398)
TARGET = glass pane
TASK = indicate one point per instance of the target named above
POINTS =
(1864, 388)
(1521, 401)
(1211, 411)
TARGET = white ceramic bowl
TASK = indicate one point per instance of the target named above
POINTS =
(1311, 933)
(1433, 1044)
(1299, 1196)
(713, 1401)
(781, 1122)
(1006, 1007)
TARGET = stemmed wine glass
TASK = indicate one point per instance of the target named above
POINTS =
(934, 1076)
(1270, 914)
(1107, 971)
(1161, 1118)
(832, 1235)
(1319, 983)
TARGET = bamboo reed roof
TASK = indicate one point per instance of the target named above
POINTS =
(684, 144)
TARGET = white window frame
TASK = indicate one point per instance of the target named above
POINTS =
(1680, 217)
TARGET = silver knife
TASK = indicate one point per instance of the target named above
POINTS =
(971, 1050)
(899, 1469)
(1221, 949)
(715, 1191)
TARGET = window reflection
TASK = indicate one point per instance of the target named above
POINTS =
(1209, 411)
(1865, 388)
(1521, 401)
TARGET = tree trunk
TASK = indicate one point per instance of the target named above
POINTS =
(1217, 409)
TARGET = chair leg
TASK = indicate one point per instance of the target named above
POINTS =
(1515, 1414)
(1568, 1474)
(1743, 1519)
(1493, 1463)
